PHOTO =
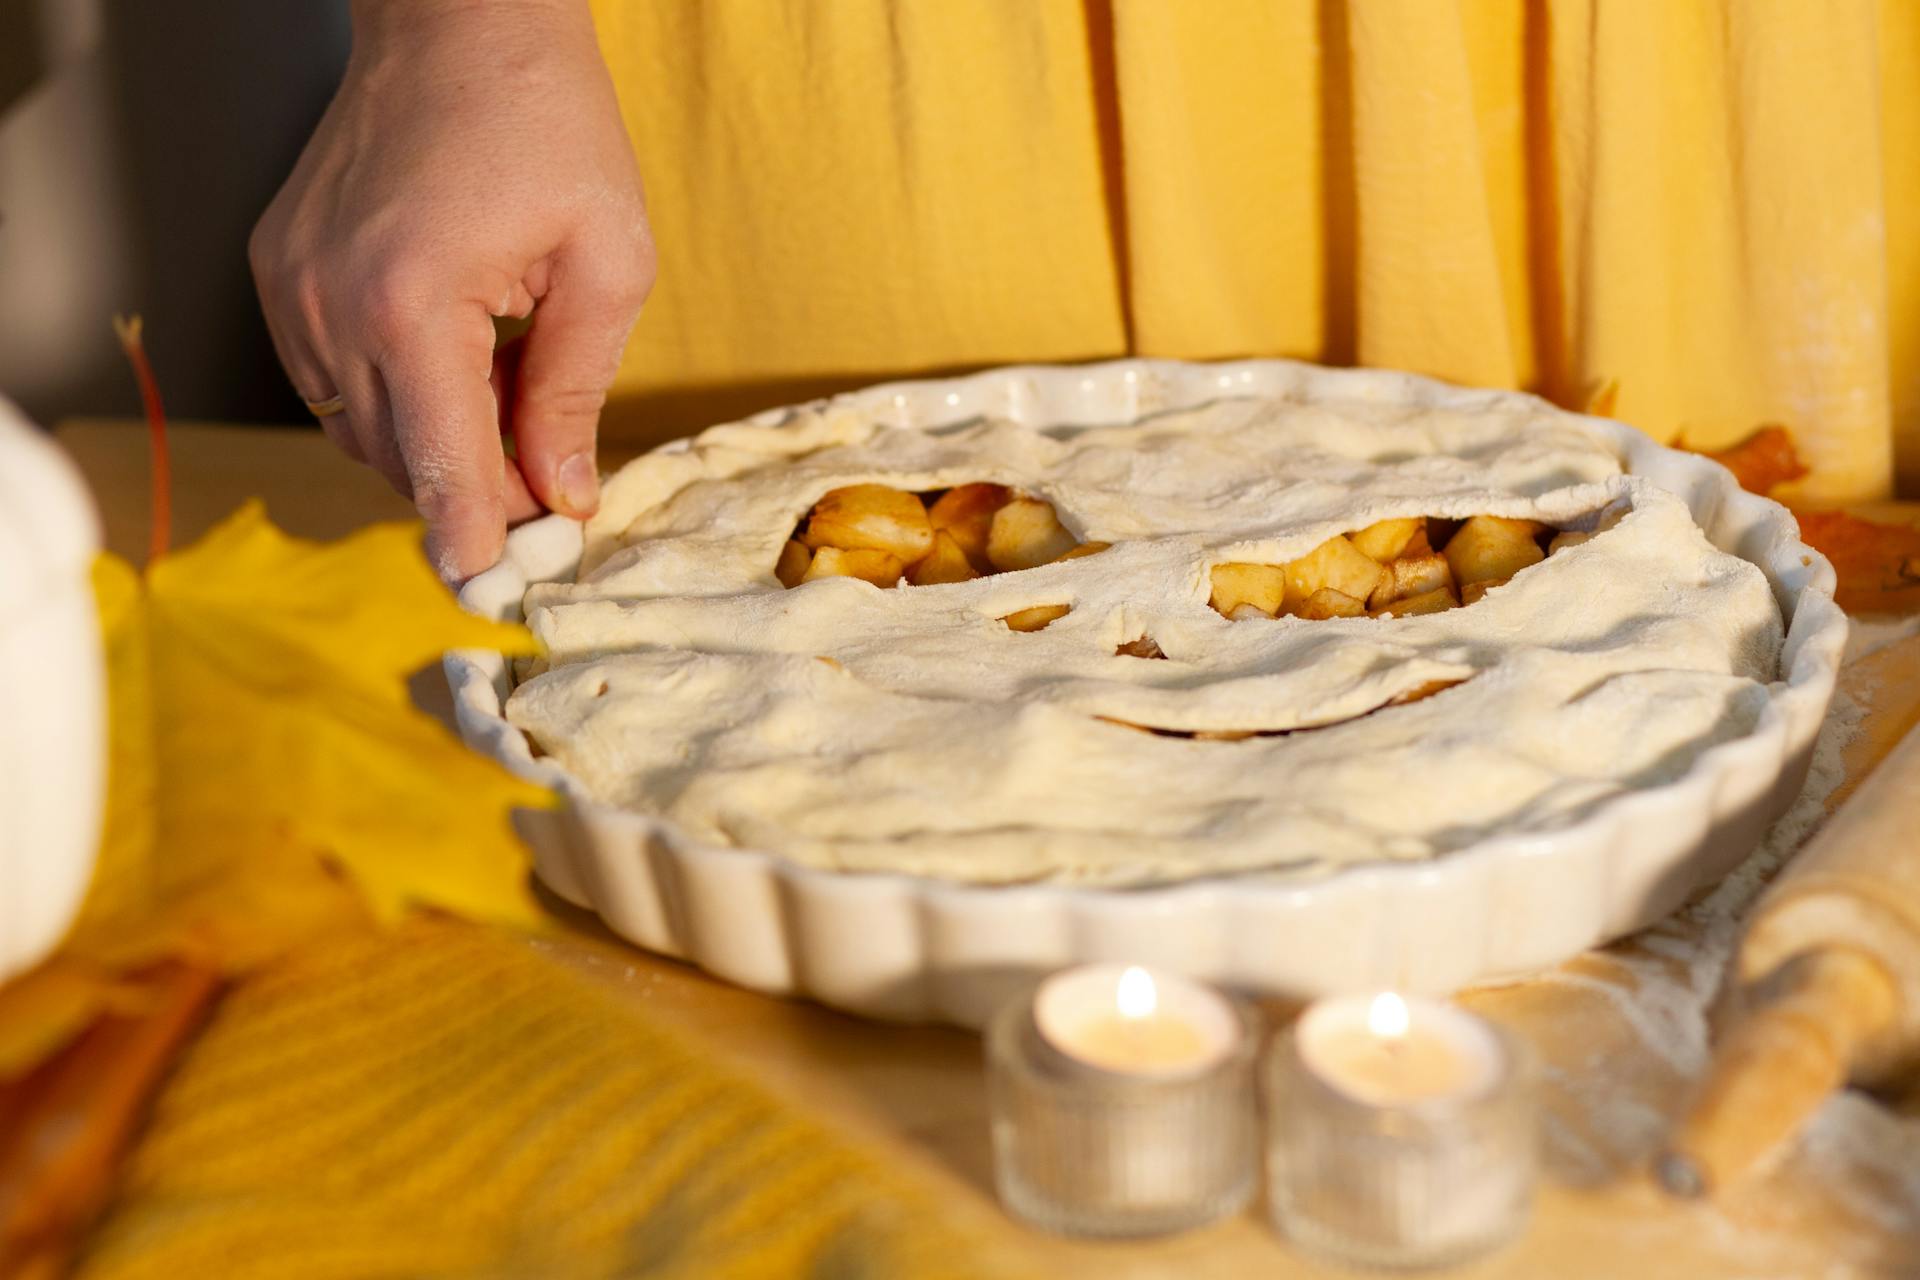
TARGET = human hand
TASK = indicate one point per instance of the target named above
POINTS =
(472, 165)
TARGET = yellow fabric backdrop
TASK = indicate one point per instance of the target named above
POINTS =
(1713, 203)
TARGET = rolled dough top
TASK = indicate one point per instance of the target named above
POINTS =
(683, 681)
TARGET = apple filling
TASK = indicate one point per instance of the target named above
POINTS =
(1390, 569)
(883, 535)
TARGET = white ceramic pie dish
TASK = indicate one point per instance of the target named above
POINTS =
(912, 948)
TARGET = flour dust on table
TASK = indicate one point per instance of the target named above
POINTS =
(1630, 1031)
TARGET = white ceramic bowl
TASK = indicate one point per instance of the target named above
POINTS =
(912, 948)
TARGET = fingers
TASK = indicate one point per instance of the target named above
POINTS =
(337, 428)
(410, 354)
(312, 382)
(369, 418)
(567, 363)
(446, 427)
(362, 430)
(419, 408)
(521, 504)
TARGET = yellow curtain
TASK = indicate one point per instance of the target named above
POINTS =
(1714, 204)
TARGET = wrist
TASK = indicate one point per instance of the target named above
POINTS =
(379, 22)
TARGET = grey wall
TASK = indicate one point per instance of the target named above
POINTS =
(139, 139)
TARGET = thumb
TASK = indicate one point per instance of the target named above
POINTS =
(570, 355)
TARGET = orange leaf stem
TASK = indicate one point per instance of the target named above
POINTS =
(128, 327)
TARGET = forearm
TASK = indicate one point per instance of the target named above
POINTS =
(390, 23)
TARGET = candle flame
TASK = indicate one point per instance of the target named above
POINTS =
(1136, 995)
(1387, 1016)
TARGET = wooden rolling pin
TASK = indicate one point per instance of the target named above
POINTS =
(1825, 987)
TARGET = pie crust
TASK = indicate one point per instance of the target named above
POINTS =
(851, 727)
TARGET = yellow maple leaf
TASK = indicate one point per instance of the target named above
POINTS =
(270, 779)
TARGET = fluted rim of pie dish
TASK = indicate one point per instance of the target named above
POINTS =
(1753, 527)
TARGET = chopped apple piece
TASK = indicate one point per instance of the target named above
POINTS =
(1421, 692)
(1263, 586)
(1036, 618)
(1411, 576)
(1084, 549)
(1334, 563)
(1426, 602)
(1384, 540)
(1474, 590)
(966, 512)
(1493, 547)
(1567, 538)
(881, 568)
(1421, 544)
(1026, 533)
(945, 563)
(1248, 612)
(1328, 603)
(1144, 647)
(871, 517)
(794, 559)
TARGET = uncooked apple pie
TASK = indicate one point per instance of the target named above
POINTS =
(1255, 636)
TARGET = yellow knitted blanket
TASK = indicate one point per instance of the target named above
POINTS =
(445, 1100)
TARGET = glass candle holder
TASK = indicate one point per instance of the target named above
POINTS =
(1402, 1133)
(1122, 1103)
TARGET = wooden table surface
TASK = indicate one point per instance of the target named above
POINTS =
(1621, 1030)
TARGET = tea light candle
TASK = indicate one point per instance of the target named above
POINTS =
(1376, 1052)
(1402, 1133)
(1122, 1102)
(1128, 1021)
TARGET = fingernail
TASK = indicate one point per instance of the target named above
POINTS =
(579, 481)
